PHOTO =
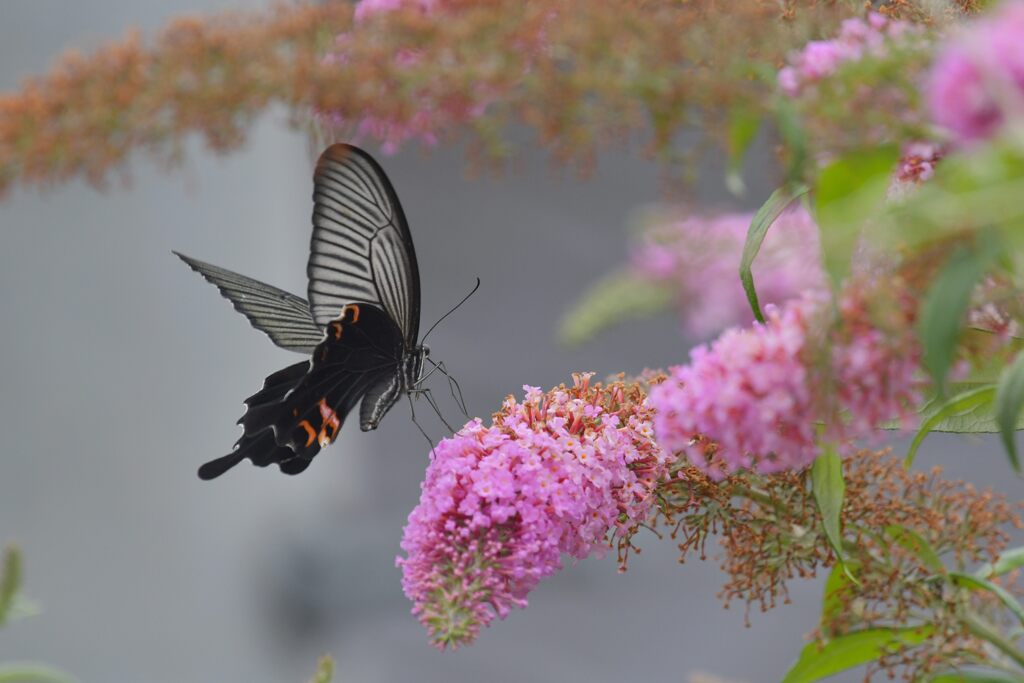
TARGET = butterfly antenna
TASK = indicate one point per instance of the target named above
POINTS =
(454, 308)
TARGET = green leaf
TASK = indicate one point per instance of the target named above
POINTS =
(837, 585)
(32, 673)
(850, 191)
(324, 670)
(829, 488)
(618, 297)
(979, 420)
(975, 677)
(10, 580)
(984, 584)
(853, 649)
(1007, 562)
(763, 219)
(1009, 402)
(945, 304)
(910, 540)
(744, 123)
(965, 402)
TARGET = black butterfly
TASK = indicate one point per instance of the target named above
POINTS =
(359, 326)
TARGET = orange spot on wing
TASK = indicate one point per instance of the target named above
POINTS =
(310, 431)
(355, 312)
(336, 326)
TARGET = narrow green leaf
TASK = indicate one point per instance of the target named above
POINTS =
(1007, 562)
(837, 586)
(744, 123)
(995, 589)
(908, 539)
(964, 402)
(944, 306)
(32, 673)
(1009, 402)
(10, 580)
(829, 488)
(976, 677)
(621, 296)
(763, 219)
(850, 191)
(853, 649)
(324, 670)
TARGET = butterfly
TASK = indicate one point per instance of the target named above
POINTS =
(359, 326)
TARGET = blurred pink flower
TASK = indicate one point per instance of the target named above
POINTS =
(699, 258)
(977, 80)
(819, 59)
(750, 391)
(754, 398)
(565, 471)
(423, 124)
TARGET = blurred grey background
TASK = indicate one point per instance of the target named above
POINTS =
(122, 371)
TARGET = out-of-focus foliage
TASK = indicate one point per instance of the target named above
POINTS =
(13, 604)
(579, 73)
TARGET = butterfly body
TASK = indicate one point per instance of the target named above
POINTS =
(359, 326)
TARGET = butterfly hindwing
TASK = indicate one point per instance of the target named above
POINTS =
(302, 408)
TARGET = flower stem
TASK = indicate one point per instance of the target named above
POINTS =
(982, 629)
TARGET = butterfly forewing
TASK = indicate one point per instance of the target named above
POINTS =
(361, 249)
(282, 316)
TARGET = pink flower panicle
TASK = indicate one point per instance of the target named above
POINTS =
(876, 364)
(820, 59)
(749, 392)
(426, 122)
(568, 471)
(698, 257)
(977, 80)
(754, 398)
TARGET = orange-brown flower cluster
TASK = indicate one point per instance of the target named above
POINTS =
(896, 526)
(604, 70)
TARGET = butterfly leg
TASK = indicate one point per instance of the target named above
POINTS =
(433, 404)
(412, 408)
(453, 385)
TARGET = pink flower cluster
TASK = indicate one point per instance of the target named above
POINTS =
(754, 398)
(749, 392)
(565, 471)
(977, 80)
(425, 123)
(819, 59)
(699, 257)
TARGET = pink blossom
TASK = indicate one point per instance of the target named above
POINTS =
(750, 392)
(977, 80)
(754, 398)
(423, 124)
(566, 471)
(699, 257)
(876, 365)
(856, 39)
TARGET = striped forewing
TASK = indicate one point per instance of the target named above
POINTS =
(361, 249)
(281, 315)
